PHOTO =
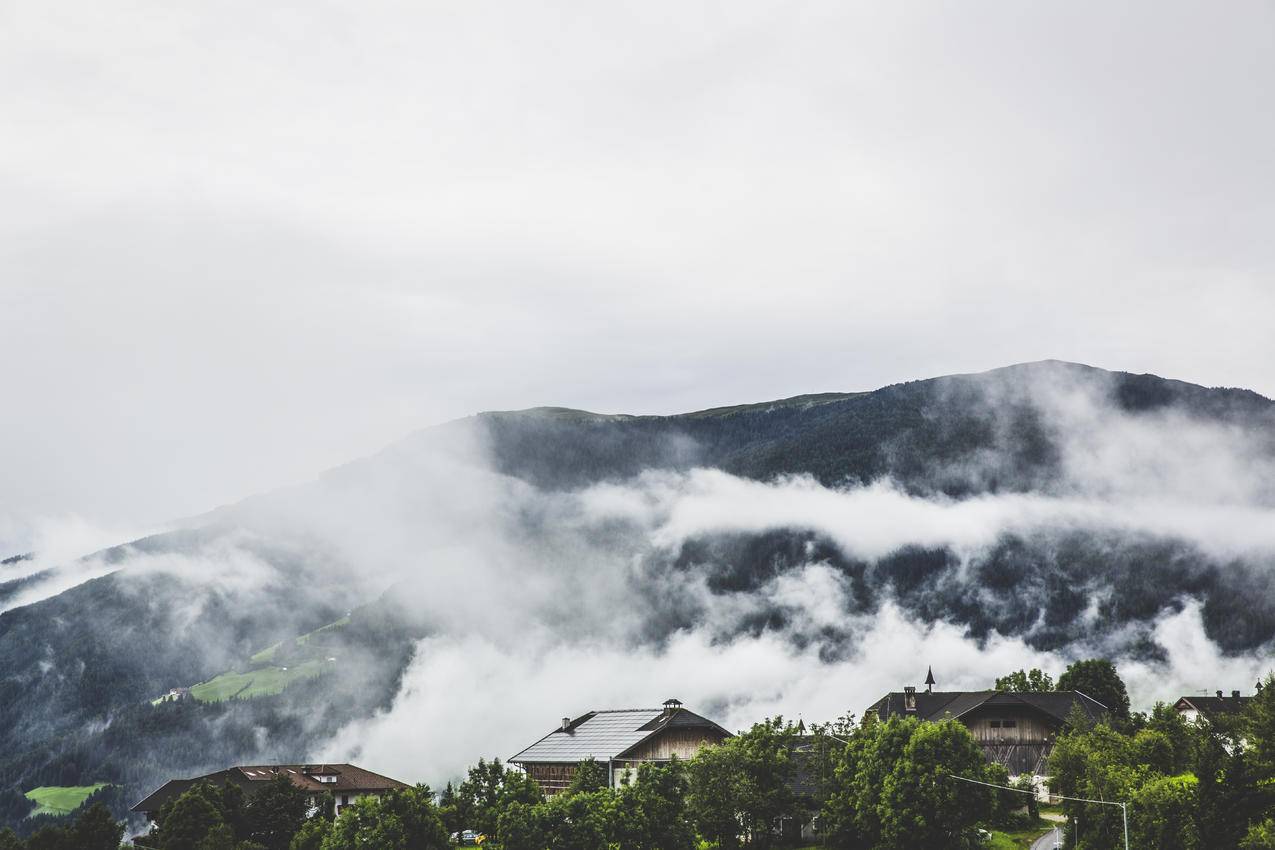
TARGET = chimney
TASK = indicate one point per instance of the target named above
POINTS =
(1219, 694)
(671, 705)
(1235, 694)
(566, 723)
(909, 698)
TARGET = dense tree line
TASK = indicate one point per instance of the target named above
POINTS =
(1187, 785)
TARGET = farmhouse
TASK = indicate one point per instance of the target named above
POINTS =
(620, 740)
(1211, 709)
(345, 782)
(1016, 730)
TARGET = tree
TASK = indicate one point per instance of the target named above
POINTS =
(1162, 814)
(1228, 797)
(1097, 678)
(95, 829)
(311, 835)
(589, 776)
(651, 814)
(276, 812)
(187, 820)
(9, 840)
(220, 837)
(1021, 682)
(399, 820)
(454, 819)
(895, 788)
(1259, 729)
(741, 786)
(1027, 784)
(922, 805)
(1004, 804)
(49, 838)
(716, 775)
(1260, 836)
(584, 821)
(520, 827)
(485, 793)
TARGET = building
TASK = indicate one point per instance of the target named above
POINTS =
(619, 740)
(1016, 730)
(1211, 709)
(345, 782)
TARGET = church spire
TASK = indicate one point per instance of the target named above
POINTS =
(929, 680)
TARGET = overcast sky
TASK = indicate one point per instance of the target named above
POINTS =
(242, 242)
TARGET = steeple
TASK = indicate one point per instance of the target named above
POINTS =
(929, 680)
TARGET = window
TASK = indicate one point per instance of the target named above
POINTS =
(995, 724)
(1010, 724)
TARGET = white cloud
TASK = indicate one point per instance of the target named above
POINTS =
(240, 247)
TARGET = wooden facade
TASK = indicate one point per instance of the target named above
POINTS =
(1010, 726)
(680, 741)
(552, 778)
(1016, 730)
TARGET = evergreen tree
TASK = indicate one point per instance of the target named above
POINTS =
(95, 829)
(1097, 678)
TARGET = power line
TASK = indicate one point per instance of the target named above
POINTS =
(1124, 807)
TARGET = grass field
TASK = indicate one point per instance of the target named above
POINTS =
(60, 799)
(1018, 839)
(267, 655)
(255, 683)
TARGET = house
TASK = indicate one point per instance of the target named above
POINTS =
(1016, 730)
(1211, 709)
(620, 740)
(345, 782)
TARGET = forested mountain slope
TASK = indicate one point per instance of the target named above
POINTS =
(1057, 503)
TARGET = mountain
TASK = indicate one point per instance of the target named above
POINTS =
(1068, 507)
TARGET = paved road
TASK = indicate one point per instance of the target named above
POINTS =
(1049, 840)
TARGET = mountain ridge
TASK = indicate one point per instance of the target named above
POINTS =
(187, 604)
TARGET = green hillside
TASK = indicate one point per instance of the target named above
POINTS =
(60, 799)
(265, 681)
(268, 654)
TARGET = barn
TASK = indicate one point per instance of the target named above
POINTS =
(618, 739)
(1016, 730)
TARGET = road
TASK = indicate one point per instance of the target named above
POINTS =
(1049, 840)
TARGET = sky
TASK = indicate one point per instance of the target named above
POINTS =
(240, 244)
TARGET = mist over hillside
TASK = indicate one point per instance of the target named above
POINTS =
(800, 556)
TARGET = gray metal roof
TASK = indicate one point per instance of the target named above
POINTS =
(606, 735)
(601, 735)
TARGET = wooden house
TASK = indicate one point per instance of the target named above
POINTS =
(619, 740)
(1214, 709)
(1016, 730)
(345, 782)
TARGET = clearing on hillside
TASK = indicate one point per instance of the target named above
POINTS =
(266, 681)
(60, 799)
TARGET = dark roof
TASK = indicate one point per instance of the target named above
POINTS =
(343, 778)
(956, 704)
(607, 735)
(1213, 706)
